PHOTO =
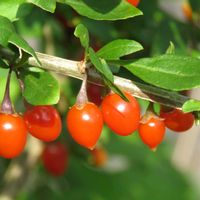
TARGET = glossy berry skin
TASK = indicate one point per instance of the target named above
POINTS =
(13, 134)
(94, 93)
(178, 121)
(85, 124)
(120, 116)
(152, 132)
(43, 122)
(134, 2)
(55, 158)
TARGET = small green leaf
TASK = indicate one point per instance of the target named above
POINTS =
(121, 62)
(81, 32)
(171, 48)
(14, 86)
(197, 117)
(144, 105)
(156, 108)
(171, 72)
(6, 30)
(115, 89)
(48, 5)
(3, 64)
(9, 35)
(41, 88)
(100, 65)
(191, 106)
(119, 48)
(104, 9)
(9, 8)
(22, 44)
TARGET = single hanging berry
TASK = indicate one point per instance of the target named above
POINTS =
(94, 93)
(134, 2)
(120, 116)
(151, 130)
(43, 122)
(13, 131)
(177, 121)
(55, 158)
(84, 120)
(187, 10)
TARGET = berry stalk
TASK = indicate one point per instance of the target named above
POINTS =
(82, 97)
(6, 106)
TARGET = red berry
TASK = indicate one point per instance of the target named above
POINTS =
(85, 124)
(94, 93)
(152, 131)
(187, 10)
(121, 117)
(178, 121)
(55, 158)
(43, 122)
(13, 134)
(134, 2)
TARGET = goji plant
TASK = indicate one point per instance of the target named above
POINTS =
(134, 52)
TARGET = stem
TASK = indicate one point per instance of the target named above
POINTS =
(21, 83)
(6, 106)
(146, 92)
(82, 95)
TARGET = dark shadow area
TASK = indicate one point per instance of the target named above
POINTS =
(103, 6)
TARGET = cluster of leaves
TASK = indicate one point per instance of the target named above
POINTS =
(169, 71)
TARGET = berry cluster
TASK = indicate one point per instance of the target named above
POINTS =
(42, 122)
(85, 121)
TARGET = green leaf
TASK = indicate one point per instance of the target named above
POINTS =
(102, 67)
(171, 48)
(104, 9)
(119, 48)
(3, 64)
(191, 106)
(115, 89)
(14, 86)
(22, 44)
(121, 62)
(81, 32)
(48, 5)
(9, 35)
(144, 105)
(156, 108)
(168, 71)
(197, 117)
(6, 30)
(9, 8)
(41, 88)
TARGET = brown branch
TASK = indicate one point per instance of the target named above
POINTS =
(146, 92)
